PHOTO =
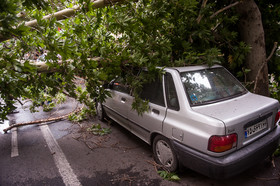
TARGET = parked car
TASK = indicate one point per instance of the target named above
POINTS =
(201, 117)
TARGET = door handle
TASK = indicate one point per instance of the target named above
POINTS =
(155, 111)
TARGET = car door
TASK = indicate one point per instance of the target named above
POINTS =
(118, 105)
(144, 124)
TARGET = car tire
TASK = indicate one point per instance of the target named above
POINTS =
(164, 153)
(100, 111)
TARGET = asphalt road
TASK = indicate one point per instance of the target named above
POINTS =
(66, 153)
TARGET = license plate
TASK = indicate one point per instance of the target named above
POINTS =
(255, 128)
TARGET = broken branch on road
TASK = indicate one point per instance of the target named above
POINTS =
(42, 120)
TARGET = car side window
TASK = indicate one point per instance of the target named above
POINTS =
(153, 92)
(171, 94)
(120, 86)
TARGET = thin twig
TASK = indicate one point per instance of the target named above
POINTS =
(91, 148)
(19, 101)
(156, 166)
(225, 8)
(124, 178)
(272, 51)
(263, 64)
(200, 16)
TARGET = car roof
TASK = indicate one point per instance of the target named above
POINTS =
(193, 68)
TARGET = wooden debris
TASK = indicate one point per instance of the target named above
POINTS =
(42, 120)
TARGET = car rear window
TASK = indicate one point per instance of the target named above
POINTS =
(210, 85)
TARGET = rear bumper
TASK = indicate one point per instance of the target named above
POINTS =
(232, 164)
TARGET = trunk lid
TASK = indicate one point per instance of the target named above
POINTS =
(250, 116)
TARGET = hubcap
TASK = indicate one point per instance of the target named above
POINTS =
(164, 153)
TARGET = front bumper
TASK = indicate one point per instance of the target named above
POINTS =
(231, 164)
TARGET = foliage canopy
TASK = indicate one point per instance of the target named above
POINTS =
(127, 36)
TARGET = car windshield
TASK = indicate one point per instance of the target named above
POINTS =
(210, 85)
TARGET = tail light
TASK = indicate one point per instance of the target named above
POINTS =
(222, 143)
(277, 117)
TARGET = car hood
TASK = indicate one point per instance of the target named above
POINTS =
(240, 109)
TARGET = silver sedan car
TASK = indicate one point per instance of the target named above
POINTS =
(201, 117)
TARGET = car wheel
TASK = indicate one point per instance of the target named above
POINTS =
(100, 111)
(164, 153)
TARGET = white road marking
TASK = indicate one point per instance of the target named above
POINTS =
(14, 149)
(64, 168)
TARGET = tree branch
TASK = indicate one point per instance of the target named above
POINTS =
(66, 13)
(225, 8)
(263, 64)
(43, 67)
(69, 12)
(42, 120)
(200, 16)
(272, 51)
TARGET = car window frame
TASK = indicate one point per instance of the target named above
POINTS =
(168, 102)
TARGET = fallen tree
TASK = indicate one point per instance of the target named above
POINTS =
(135, 35)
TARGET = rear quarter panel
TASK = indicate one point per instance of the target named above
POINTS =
(188, 127)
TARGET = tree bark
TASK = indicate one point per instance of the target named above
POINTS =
(252, 33)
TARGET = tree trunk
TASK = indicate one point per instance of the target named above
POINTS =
(252, 33)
